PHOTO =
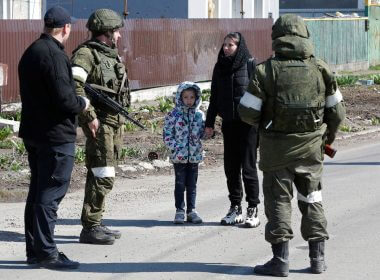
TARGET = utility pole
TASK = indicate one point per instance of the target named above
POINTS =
(125, 13)
(242, 8)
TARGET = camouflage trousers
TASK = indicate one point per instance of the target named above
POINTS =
(306, 175)
(102, 154)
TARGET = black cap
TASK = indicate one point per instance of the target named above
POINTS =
(57, 17)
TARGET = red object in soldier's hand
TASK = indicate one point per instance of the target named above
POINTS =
(330, 151)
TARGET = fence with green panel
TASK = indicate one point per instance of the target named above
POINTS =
(374, 35)
(339, 41)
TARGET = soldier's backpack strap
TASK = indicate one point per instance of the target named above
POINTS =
(96, 56)
(268, 110)
(251, 64)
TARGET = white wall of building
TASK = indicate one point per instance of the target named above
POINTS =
(21, 9)
(232, 8)
(198, 8)
(225, 8)
(266, 8)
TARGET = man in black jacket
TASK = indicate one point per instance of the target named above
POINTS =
(48, 128)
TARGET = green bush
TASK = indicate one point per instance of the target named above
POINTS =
(345, 128)
(206, 93)
(5, 132)
(130, 152)
(376, 67)
(165, 104)
(80, 155)
(130, 126)
(346, 80)
(150, 108)
(13, 116)
(6, 144)
(375, 121)
(376, 78)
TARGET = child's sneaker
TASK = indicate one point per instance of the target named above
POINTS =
(251, 219)
(233, 216)
(193, 217)
(179, 217)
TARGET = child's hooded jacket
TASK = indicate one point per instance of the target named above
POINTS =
(184, 128)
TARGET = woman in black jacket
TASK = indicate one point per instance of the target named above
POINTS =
(229, 82)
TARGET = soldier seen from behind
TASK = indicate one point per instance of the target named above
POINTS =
(97, 62)
(48, 129)
(298, 108)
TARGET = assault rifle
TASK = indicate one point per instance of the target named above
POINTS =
(98, 96)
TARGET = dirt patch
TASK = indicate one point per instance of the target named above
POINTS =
(363, 114)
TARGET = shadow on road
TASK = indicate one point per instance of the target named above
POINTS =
(15, 265)
(352, 163)
(146, 267)
(137, 223)
(218, 268)
(10, 236)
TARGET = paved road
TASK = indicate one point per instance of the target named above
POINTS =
(153, 248)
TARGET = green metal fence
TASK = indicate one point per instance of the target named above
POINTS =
(340, 41)
(374, 35)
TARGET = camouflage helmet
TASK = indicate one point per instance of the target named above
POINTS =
(103, 20)
(290, 24)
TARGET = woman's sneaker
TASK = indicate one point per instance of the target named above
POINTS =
(252, 220)
(233, 216)
(193, 217)
(179, 217)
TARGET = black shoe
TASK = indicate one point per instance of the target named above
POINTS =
(112, 232)
(279, 264)
(96, 235)
(274, 267)
(31, 260)
(59, 261)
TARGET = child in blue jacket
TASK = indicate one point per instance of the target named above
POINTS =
(182, 133)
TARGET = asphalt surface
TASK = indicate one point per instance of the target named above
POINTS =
(152, 247)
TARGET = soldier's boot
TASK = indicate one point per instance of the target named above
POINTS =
(96, 235)
(317, 256)
(115, 233)
(279, 264)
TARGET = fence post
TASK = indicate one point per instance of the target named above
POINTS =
(3, 81)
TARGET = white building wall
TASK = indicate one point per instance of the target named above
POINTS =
(198, 8)
(21, 9)
(265, 8)
(35, 9)
(249, 8)
(4, 9)
(232, 8)
(225, 8)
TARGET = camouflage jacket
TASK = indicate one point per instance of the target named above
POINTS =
(184, 127)
(96, 63)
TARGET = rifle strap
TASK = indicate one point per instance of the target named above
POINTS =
(122, 82)
(105, 89)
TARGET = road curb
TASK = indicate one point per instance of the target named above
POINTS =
(359, 133)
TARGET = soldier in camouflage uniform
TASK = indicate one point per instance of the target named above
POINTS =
(294, 100)
(97, 62)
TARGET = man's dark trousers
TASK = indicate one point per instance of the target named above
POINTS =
(51, 167)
